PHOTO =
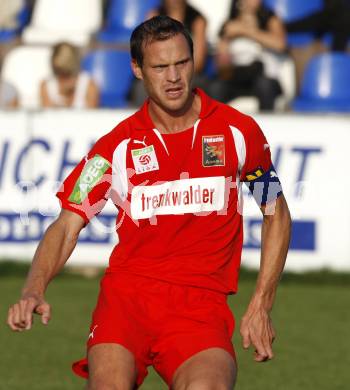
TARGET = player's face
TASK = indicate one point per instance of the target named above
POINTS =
(167, 72)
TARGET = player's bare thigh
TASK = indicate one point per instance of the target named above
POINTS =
(211, 369)
(111, 367)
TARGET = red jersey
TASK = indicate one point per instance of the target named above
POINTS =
(178, 195)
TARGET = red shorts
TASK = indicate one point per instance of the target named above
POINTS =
(162, 324)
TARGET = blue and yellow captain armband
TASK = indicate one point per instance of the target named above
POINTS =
(265, 186)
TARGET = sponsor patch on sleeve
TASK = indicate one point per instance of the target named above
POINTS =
(93, 171)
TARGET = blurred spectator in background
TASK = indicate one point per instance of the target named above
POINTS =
(14, 16)
(69, 87)
(249, 44)
(8, 94)
(105, 5)
(334, 18)
(9, 10)
(196, 24)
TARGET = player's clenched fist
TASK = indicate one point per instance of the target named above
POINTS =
(20, 315)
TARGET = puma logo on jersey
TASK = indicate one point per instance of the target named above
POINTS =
(91, 335)
(136, 141)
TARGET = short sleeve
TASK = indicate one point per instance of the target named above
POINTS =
(258, 171)
(258, 155)
(85, 191)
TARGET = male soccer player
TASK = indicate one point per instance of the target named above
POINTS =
(173, 169)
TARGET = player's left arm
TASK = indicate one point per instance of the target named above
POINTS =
(256, 325)
(262, 180)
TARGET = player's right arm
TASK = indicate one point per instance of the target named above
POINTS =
(50, 256)
(82, 196)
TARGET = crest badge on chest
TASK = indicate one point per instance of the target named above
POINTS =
(145, 159)
(213, 151)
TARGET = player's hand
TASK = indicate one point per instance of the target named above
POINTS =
(257, 330)
(20, 315)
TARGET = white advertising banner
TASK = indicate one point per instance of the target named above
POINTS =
(309, 154)
(14, 137)
(39, 149)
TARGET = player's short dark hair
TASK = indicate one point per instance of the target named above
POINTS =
(158, 28)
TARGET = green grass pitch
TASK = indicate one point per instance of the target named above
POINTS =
(311, 316)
